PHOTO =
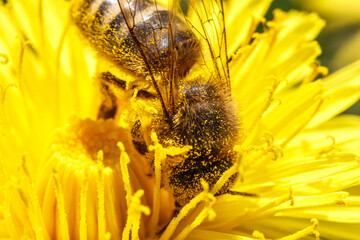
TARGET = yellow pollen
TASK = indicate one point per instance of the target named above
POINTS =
(93, 193)
(266, 102)
(134, 214)
(124, 161)
(206, 212)
(160, 156)
(4, 59)
(203, 202)
(226, 176)
(88, 137)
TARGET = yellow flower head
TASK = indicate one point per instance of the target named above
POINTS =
(64, 174)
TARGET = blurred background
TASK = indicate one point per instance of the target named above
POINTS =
(340, 40)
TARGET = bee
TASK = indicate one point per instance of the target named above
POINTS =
(152, 44)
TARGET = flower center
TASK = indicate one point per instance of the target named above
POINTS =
(89, 184)
(83, 139)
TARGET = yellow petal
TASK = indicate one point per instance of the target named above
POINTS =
(343, 90)
(340, 134)
(294, 112)
(282, 54)
(239, 16)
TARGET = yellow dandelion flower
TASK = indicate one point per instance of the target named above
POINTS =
(65, 175)
(343, 19)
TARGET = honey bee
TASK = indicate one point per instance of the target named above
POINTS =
(151, 43)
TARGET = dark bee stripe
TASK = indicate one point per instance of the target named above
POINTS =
(103, 9)
(103, 23)
(138, 138)
(109, 106)
(109, 78)
(117, 22)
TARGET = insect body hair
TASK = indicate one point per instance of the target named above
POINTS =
(154, 46)
(136, 36)
(207, 120)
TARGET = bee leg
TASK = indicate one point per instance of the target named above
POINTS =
(108, 106)
(245, 194)
(138, 138)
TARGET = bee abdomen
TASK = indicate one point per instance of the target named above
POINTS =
(103, 24)
(121, 34)
(206, 120)
(187, 175)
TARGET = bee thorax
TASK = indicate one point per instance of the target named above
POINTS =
(205, 119)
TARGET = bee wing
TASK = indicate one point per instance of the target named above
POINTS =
(172, 9)
(130, 10)
(207, 19)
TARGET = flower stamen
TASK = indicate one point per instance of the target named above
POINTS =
(329, 149)
(134, 215)
(316, 71)
(208, 200)
(31, 202)
(228, 173)
(101, 197)
(311, 230)
(160, 155)
(124, 161)
(24, 45)
(83, 209)
(206, 212)
(63, 232)
(254, 24)
(264, 210)
(266, 102)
